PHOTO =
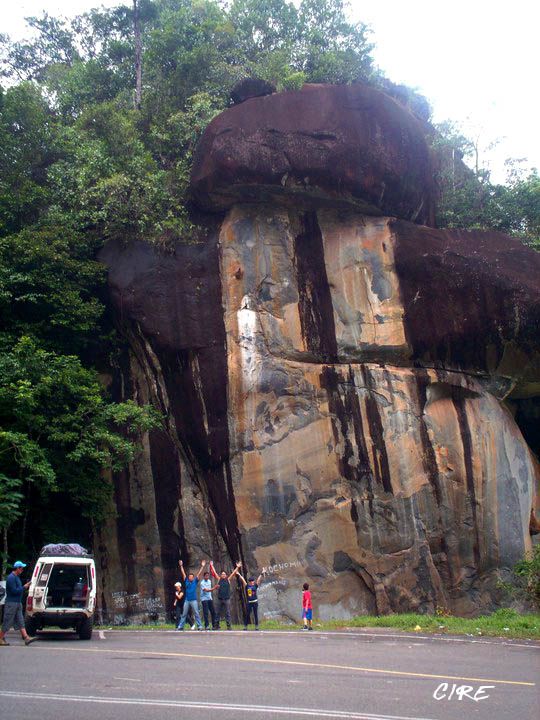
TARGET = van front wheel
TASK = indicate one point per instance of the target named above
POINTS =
(85, 629)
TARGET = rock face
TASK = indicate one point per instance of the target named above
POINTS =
(341, 145)
(344, 392)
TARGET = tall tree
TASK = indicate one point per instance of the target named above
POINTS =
(58, 432)
(138, 53)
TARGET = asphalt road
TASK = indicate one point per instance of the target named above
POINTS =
(163, 675)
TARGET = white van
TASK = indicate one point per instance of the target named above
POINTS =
(62, 594)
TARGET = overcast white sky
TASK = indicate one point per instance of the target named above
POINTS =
(475, 60)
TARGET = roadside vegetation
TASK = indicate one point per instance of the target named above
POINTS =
(504, 623)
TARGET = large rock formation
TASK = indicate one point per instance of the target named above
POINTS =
(342, 145)
(340, 386)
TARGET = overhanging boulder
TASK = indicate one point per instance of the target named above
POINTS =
(324, 144)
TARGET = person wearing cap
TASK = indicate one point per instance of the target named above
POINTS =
(251, 587)
(13, 614)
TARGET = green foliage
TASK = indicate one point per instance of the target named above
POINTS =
(10, 497)
(519, 203)
(313, 41)
(527, 578)
(86, 160)
(57, 430)
(502, 623)
(49, 284)
(106, 182)
(26, 129)
(468, 198)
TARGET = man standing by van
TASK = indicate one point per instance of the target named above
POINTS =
(13, 615)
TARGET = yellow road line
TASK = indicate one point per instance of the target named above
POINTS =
(295, 663)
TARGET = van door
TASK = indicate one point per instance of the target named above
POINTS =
(92, 587)
(41, 588)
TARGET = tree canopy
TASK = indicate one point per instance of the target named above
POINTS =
(468, 198)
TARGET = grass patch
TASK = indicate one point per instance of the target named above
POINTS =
(502, 623)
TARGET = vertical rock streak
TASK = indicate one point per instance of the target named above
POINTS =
(125, 538)
(380, 456)
(166, 476)
(315, 301)
(459, 403)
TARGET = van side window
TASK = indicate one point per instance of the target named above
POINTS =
(44, 575)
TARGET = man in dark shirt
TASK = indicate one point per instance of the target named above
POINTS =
(13, 615)
(251, 587)
(223, 587)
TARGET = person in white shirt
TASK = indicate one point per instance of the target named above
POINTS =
(207, 601)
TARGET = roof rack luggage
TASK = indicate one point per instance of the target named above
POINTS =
(65, 550)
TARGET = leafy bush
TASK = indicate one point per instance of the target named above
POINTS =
(527, 574)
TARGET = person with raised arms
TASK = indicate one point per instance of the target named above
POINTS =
(190, 601)
(207, 601)
(223, 586)
(252, 605)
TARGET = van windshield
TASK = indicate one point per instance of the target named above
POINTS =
(68, 585)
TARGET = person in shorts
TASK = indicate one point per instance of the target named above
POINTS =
(307, 608)
(13, 614)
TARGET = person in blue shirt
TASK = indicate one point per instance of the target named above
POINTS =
(13, 614)
(190, 600)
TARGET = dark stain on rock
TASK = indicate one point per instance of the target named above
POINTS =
(344, 407)
(315, 300)
(173, 302)
(344, 563)
(121, 389)
(429, 460)
(458, 400)
(197, 390)
(354, 513)
(467, 297)
(423, 574)
(125, 530)
(376, 431)
(352, 410)
(167, 491)
(431, 469)
(340, 428)
(278, 498)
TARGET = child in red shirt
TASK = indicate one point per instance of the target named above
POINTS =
(307, 608)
